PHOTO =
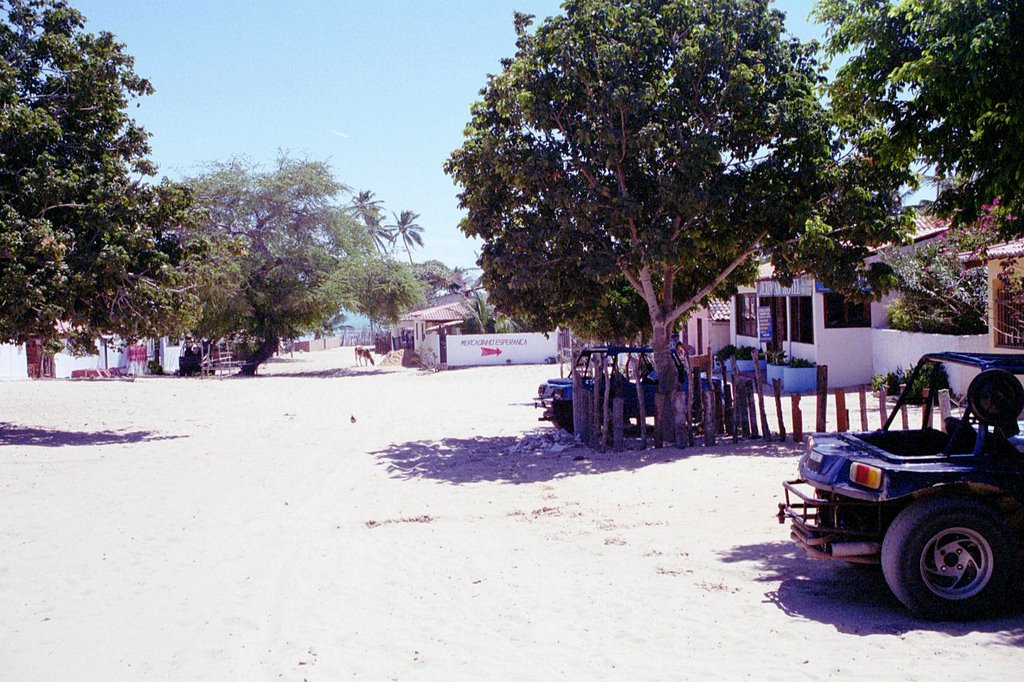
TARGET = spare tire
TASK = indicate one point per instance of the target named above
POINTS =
(997, 398)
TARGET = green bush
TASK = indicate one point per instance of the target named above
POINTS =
(725, 352)
(775, 357)
(745, 353)
(798, 363)
(893, 380)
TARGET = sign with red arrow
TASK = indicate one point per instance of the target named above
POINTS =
(484, 352)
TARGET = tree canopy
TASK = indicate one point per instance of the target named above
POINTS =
(384, 289)
(642, 154)
(936, 82)
(299, 252)
(86, 246)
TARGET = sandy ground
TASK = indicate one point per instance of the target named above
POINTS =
(248, 529)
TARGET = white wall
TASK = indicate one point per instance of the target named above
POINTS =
(169, 355)
(431, 343)
(892, 349)
(847, 352)
(13, 362)
(501, 349)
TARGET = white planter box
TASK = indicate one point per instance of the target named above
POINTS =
(799, 379)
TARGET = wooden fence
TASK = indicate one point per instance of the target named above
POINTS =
(733, 405)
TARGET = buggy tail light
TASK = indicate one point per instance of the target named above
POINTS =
(866, 475)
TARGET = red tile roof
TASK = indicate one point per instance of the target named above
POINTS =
(449, 312)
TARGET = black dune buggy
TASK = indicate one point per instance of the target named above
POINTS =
(555, 395)
(941, 511)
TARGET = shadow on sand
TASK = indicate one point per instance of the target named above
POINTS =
(12, 434)
(854, 599)
(472, 460)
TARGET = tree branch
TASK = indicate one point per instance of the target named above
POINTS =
(694, 300)
(50, 208)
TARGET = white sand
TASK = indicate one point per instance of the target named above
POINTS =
(245, 529)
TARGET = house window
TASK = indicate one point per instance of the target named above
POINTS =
(840, 313)
(1008, 321)
(801, 326)
(746, 315)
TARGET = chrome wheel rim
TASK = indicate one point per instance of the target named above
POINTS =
(956, 563)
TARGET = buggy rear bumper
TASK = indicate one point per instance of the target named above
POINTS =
(816, 524)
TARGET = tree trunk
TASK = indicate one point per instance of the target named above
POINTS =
(668, 380)
(265, 351)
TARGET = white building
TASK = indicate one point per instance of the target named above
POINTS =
(13, 362)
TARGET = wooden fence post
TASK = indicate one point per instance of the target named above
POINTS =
(862, 393)
(599, 391)
(759, 387)
(606, 417)
(688, 402)
(777, 392)
(719, 408)
(618, 425)
(709, 415)
(742, 418)
(822, 404)
(926, 412)
(728, 402)
(679, 399)
(842, 416)
(584, 425)
(579, 412)
(882, 411)
(798, 419)
(641, 407)
(738, 407)
(903, 411)
(944, 407)
(752, 410)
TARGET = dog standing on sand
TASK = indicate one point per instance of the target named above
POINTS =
(362, 355)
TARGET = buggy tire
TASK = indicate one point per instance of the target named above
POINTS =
(949, 558)
(561, 415)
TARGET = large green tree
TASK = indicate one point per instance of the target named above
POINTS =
(300, 252)
(87, 247)
(385, 289)
(648, 151)
(936, 82)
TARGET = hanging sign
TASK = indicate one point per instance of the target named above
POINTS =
(764, 322)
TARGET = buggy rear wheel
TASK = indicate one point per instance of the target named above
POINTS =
(949, 558)
(561, 415)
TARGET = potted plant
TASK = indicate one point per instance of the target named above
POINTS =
(776, 361)
(799, 376)
(745, 358)
(723, 354)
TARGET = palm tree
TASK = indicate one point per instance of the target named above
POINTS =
(405, 227)
(370, 211)
(460, 280)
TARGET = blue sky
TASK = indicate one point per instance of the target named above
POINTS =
(379, 88)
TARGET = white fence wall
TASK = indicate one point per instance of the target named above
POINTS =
(892, 349)
(430, 346)
(13, 362)
(501, 349)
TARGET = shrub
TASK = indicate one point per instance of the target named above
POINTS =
(745, 353)
(775, 357)
(798, 363)
(893, 380)
(725, 352)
